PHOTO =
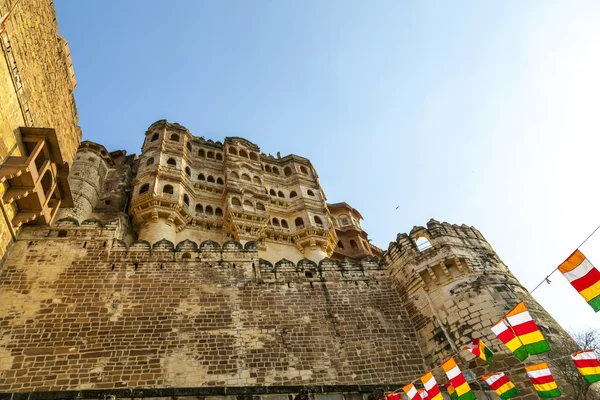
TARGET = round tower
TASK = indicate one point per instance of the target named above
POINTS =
(456, 288)
(86, 180)
(158, 193)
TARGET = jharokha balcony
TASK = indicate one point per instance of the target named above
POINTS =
(35, 183)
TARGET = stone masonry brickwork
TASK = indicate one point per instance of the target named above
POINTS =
(36, 86)
(457, 288)
(81, 310)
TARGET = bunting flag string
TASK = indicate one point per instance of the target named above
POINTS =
(555, 269)
(543, 381)
(422, 394)
(520, 334)
(587, 364)
(451, 391)
(431, 387)
(457, 379)
(393, 396)
(503, 386)
(411, 392)
(478, 348)
(584, 277)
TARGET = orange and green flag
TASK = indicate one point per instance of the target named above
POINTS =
(584, 277)
(500, 383)
(412, 392)
(587, 364)
(478, 348)
(433, 390)
(457, 379)
(451, 391)
(520, 334)
(543, 381)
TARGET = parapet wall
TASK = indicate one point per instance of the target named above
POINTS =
(79, 309)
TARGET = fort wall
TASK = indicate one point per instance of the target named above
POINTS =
(79, 309)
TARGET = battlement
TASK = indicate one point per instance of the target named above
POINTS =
(194, 314)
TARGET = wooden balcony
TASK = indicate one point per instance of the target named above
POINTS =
(36, 182)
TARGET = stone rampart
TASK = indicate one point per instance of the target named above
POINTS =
(80, 309)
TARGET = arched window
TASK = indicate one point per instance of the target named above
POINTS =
(287, 171)
(353, 244)
(219, 156)
(257, 180)
(423, 243)
(248, 205)
(186, 199)
(150, 161)
(234, 175)
(268, 168)
(293, 194)
(199, 209)
(171, 161)
(310, 193)
(260, 207)
(284, 224)
(275, 222)
(276, 170)
(210, 179)
(272, 192)
(174, 137)
(219, 181)
(236, 202)
(188, 171)
(280, 194)
(344, 221)
(233, 151)
(201, 153)
(246, 177)
(340, 245)
(189, 146)
(218, 212)
(168, 189)
(210, 154)
(243, 153)
(303, 170)
(318, 220)
(145, 187)
(299, 222)
(154, 137)
(201, 177)
(209, 210)
(253, 156)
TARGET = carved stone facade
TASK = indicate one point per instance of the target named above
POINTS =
(209, 269)
(189, 187)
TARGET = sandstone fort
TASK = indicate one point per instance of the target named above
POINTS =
(203, 267)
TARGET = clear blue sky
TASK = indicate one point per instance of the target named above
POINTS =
(484, 113)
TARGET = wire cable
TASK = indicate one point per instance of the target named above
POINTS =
(555, 269)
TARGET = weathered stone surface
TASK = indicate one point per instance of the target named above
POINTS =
(82, 314)
(471, 290)
(36, 87)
